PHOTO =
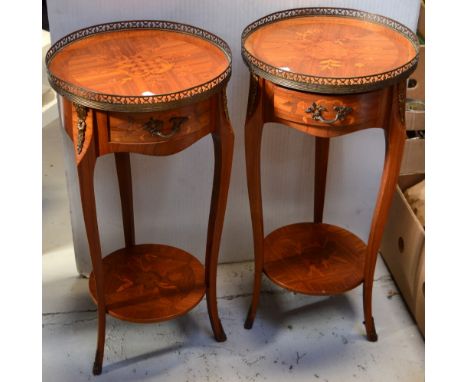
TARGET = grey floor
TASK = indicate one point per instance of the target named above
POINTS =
(294, 338)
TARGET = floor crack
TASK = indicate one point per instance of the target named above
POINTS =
(72, 311)
(69, 323)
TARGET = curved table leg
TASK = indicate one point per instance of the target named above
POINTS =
(223, 140)
(86, 162)
(253, 139)
(124, 175)
(395, 134)
(321, 164)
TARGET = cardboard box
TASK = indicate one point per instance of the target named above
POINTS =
(416, 81)
(413, 161)
(402, 249)
(422, 20)
(415, 96)
(402, 246)
(419, 310)
(415, 115)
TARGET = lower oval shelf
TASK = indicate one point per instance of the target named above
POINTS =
(150, 283)
(316, 259)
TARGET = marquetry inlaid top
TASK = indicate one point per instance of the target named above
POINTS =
(145, 63)
(330, 50)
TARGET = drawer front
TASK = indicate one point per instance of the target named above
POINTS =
(166, 126)
(330, 111)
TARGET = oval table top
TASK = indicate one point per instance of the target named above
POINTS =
(330, 50)
(138, 65)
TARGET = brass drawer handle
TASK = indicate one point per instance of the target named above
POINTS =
(316, 111)
(154, 126)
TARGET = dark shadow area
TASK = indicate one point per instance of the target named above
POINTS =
(142, 357)
(45, 16)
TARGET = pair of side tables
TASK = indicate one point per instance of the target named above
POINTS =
(156, 87)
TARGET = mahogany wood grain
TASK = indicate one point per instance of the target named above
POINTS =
(253, 142)
(368, 110)
(390, 101)
(150, 283)
(326, 46)
(85, 167)
(223, 141)
(124, 175)
(145, 282)
(129, 127)
(322, 146)
(316, 259)
(139, 62)
(124, 132)
(395, 134)
(67, 110)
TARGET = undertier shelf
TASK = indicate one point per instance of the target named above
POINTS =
(315, 259)
(150, 283)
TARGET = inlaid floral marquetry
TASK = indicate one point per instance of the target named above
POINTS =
(299, 257)
(154, 88)
(330, 50)
(142, 65)
(150, 283)
(326, 72)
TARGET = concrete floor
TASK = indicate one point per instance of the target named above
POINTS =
(294, 338)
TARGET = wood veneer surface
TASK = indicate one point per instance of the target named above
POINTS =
(139, 62)
(317, 259)
(150, 283)
(334, 47)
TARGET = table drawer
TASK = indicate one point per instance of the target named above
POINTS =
(162, 126)
(320, 110)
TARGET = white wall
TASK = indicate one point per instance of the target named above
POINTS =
(172, 194)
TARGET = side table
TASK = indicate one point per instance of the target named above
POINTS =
(155, 88)
(326, 72)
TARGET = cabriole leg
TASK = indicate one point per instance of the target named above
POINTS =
(223, 140)
(395, 134)
(253, 139)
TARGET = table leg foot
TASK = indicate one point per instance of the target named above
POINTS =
(249, 320)
(97, 368)
(220, 337)
(370, 330)
(248, 324)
